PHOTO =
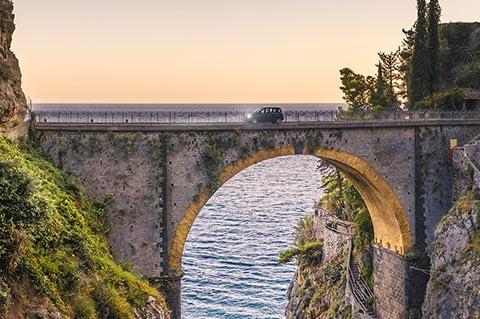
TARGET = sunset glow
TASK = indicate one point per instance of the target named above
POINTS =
(206, 51)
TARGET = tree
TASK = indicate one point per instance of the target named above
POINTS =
(356, 90)
(390, 70)
(420, 67)
(405, 63)
(434, 12)
(378, 98)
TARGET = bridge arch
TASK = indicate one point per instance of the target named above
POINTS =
(390, 222)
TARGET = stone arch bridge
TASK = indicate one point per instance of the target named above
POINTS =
(157, 178)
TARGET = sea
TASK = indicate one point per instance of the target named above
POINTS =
(231, 256)
(184, 107)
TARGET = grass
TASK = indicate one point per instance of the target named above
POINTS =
(53, 236)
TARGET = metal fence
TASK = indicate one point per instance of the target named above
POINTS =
(236, 117)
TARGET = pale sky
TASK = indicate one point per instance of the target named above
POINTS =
(206, 51)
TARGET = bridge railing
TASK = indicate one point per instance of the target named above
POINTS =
(218, 117)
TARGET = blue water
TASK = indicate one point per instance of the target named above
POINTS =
(231, 256)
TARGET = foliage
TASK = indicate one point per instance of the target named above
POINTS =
(52, 236)
(390, 69)
(304, 231)
(363, 229)
(467, 75)
(213, 156)
(357, 89)
(419, 86)
(434, 12)
(314, 139)
(378, 98)
(308, 252)
(405, 59)
(127, 143)
(266, 140)
(450, 99)
(459, 54)
(340, 196)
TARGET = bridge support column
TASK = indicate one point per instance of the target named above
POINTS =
(170, 285)
(390, 287)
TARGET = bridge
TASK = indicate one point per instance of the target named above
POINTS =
(157, 171)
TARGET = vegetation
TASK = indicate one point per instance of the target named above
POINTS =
(449, 99)
(343, 200)
(306, 249)
(420, 65)
(309, 252)
(429, 70)
(54, 238)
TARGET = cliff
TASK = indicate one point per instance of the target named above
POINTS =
(13, 105)
(55, 260)
(452, 291)
(318, 287)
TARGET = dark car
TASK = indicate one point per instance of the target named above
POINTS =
(265, 115)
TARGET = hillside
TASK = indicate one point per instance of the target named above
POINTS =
(460, 54)
(54, 256)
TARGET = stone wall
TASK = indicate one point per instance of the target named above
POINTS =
(156, 182)
(124, 170)
(389, 288)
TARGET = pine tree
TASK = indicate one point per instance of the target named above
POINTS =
(419, 86)
(379, 99)
(405, 67)
(434, 12)
(390, 68)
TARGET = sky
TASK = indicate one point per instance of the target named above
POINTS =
(206, 51)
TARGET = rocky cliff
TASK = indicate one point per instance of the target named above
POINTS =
(453, 290)
(13, 105)
(318, 287)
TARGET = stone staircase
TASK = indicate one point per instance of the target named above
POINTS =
(471, 154)
(360, 290)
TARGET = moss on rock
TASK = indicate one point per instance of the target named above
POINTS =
(54, 238)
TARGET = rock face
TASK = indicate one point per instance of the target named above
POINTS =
(318, 288)
(453, 291)
(13, 105)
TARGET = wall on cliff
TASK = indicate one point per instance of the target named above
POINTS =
(452, 291)
(13, 105)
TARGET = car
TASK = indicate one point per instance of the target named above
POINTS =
(266, 115)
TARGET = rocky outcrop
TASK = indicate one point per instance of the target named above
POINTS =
(452, 291)
(13, 105)
(318, 288)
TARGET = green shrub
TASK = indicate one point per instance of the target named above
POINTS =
(52, 236)
(85, 308)
(309, 252)
(362, 230)
(450, 99)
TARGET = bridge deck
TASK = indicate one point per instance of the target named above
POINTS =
(338, 124)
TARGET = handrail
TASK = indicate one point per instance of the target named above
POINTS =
(360, 290)
(233, 116)
(337, 231)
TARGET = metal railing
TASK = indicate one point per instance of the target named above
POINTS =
(237, 117)
(359, 288)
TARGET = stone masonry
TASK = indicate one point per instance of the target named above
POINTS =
(155, 182)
